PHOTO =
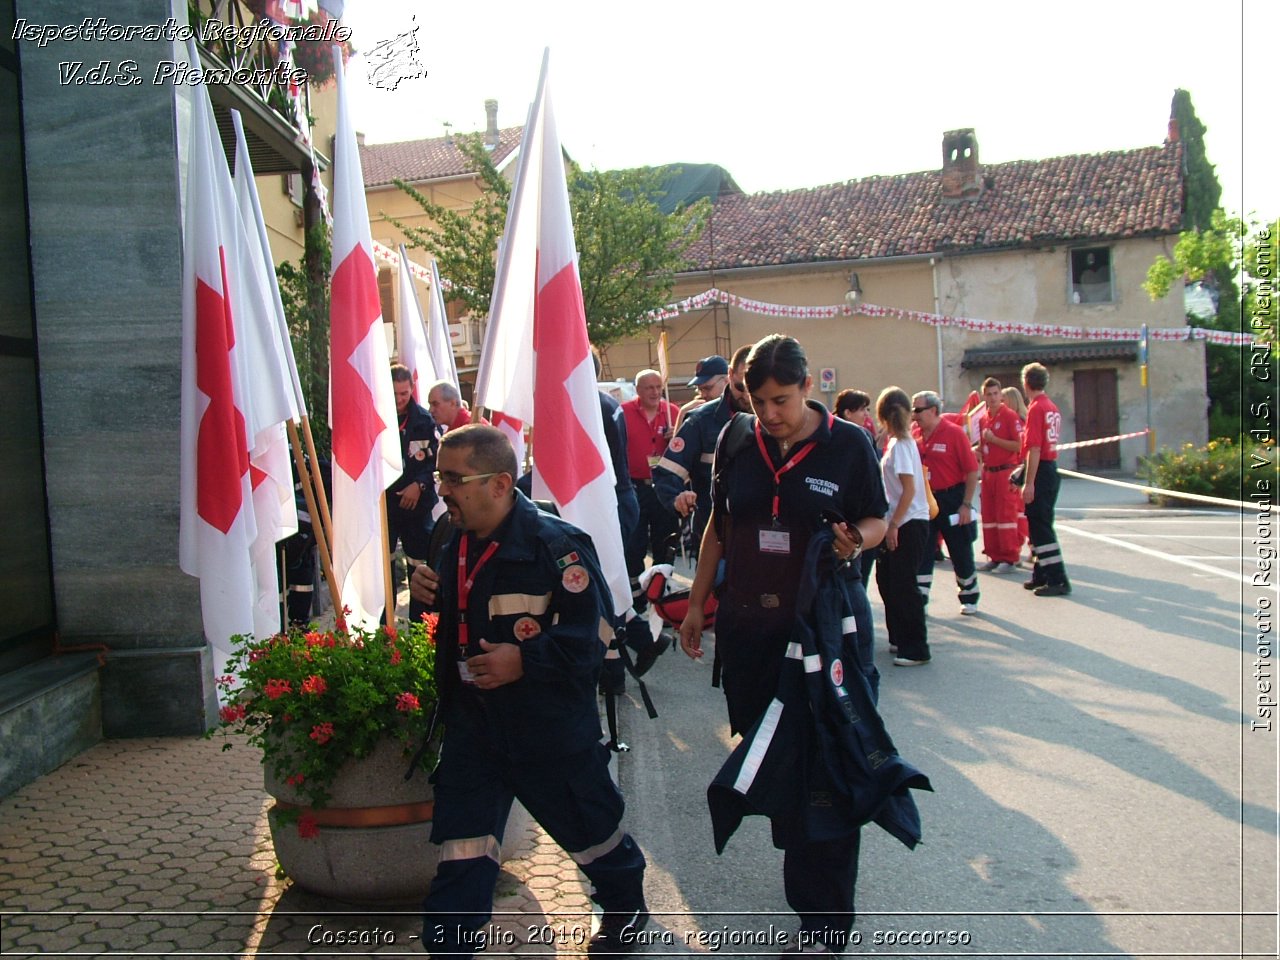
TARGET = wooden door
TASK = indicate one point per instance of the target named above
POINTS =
(1097, 415)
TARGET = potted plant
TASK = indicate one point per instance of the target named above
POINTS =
(340, 715)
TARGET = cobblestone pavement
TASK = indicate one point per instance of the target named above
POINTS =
(160, 846)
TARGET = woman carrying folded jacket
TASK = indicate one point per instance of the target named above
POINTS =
(780, 476)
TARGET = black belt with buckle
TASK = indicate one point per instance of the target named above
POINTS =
(642, 483)
(770, 600)
(1003, 466)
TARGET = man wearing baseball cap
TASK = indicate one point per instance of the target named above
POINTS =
(710, 377)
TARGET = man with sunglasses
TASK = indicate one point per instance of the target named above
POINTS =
(682, 478)
(953, 476)
(524, 620)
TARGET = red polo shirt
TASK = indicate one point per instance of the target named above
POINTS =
(1006, 425)
(948, 455)
(647, 439)
(1044, 426)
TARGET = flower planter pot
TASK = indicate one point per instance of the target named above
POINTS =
(372, 843)
(373, 840)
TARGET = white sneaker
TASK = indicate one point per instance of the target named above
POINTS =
(968, 609)
(908, 662)
(1003, 568)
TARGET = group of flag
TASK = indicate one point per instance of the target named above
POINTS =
(242, 404)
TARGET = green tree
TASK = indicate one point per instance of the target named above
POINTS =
(1217, 255)
(464, 244)
(1203, 191)
(628, 250)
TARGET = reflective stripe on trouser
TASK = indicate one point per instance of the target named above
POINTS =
(573, 798)
(1001, 505)
(959, 541)
(1049, 566)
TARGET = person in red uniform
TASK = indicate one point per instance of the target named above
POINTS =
(446, 407)
(953, 475)
(1040, 484)
(649, 419)
(1001, 451)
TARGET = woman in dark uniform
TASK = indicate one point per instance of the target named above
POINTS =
(797, 470)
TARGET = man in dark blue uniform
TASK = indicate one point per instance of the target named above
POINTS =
(524, 621)
(411, 497)
(688, 456)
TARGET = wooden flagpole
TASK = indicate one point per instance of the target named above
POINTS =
(389, 617)
(317, 526)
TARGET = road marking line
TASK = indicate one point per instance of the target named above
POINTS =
(1182, 536)
(1202, 567)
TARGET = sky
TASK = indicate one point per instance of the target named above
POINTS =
(805, 93)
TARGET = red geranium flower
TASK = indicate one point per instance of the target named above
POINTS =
(275, 689)
(322, 733)
(294, 779)
(395, 656)
(307, 827)
(407, 702)
(315, 685)
(232, 713)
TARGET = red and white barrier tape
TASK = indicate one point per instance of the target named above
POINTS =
(1101, 440)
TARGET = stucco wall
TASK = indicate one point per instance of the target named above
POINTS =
(1033, 285)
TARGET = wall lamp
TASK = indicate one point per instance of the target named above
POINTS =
(855, 289)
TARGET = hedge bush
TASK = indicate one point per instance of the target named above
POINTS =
(1221, 468)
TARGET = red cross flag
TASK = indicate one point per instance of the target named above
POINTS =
(411, 335)
(439, 343)
(216, 517)
(536, 364)
(362, 407)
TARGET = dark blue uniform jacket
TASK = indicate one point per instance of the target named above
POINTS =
(542, 589)
(689, 455)
(819, 761)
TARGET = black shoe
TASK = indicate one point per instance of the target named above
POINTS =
(1032, 585)
(650, 654)
(1053, 590)
(617, 933)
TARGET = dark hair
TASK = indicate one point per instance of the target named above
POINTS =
(893, 409)
(852, 400)
(401, 373)
(740, 356)
(992, 382)
(487, 448)
(1035, 376)
(778, 358)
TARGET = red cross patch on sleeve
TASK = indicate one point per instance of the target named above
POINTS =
(575, 579)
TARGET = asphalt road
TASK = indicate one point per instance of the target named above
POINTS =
(1099, 790)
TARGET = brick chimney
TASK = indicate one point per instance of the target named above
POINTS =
(961, 172)
(491, 124)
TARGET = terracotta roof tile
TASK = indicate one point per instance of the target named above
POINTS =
(418, 160)
(1085, 197)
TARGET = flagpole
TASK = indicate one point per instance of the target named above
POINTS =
(322, 498)
(322, 538)
(390, 616)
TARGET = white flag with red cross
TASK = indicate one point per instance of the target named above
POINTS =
(275, 390)
(537, 338)
(438, 340)
(411, 335)
(362, 407)
(216, 525)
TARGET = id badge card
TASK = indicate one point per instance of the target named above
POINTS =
(775, 540)
(465, 673)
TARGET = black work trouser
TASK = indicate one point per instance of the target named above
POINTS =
(904, 618)
(1048, 567)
